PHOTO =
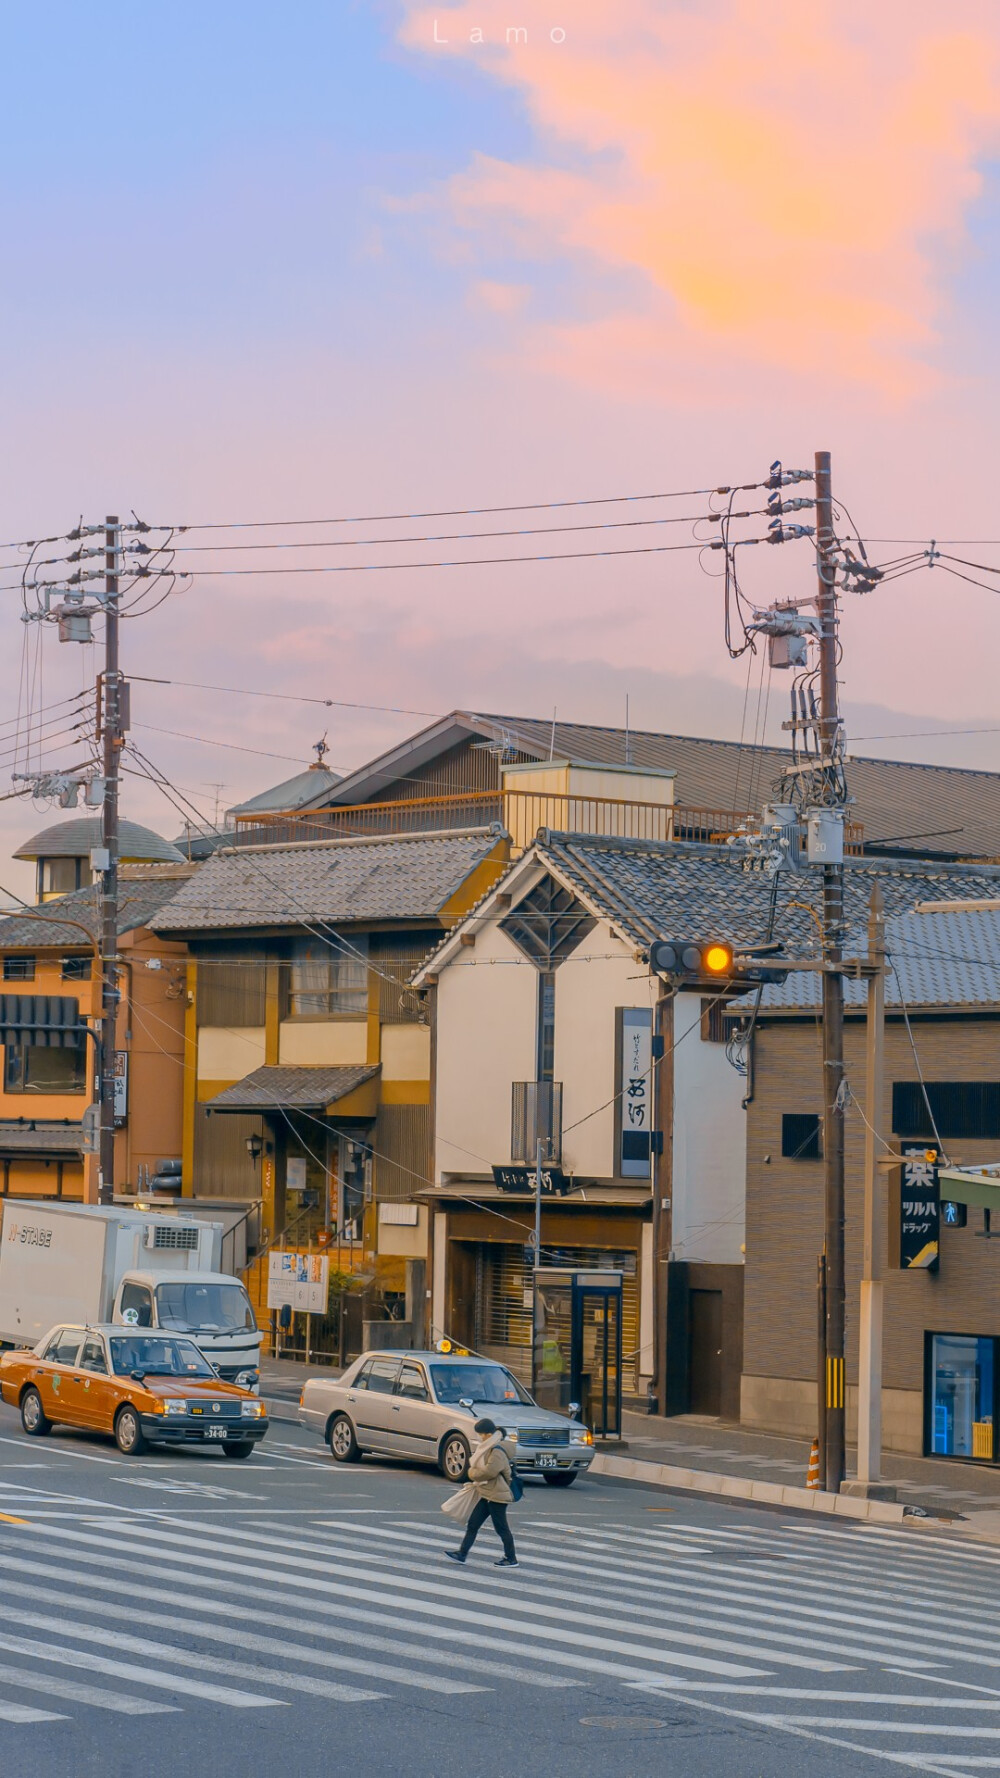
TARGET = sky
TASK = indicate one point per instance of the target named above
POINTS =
(341, 261)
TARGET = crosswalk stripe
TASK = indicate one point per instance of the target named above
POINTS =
(921, 1701)
(28, 1713)
(77, 1693)
(544, 1638)
(877, 1725)
(184, 1657)
(855, 1642)
(268, 1645)
(452, 1657)
(75, 1657)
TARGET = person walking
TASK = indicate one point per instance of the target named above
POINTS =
(491, 1475)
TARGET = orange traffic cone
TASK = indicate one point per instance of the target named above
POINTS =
(812, 1474)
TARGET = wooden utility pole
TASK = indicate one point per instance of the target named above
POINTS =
(112, 714)
(833, 985)
(870, 1329)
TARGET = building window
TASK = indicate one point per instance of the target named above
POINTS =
(801, 1136)
(962, 1386)
(714, 1028)
(77, 969)
(19, 969)
(61, 876)
(38, 1068)
(329, 979)
(962, 1109)
(546, 1035)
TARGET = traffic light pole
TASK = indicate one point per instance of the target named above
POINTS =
(833, 996)
(111, 715)
(870, 1328)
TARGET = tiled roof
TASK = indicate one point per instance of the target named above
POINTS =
(74, 839)
(937, 959)
(291, 1089)
(650, 890)
(138, 901)
(54, 1139)
(399, 877)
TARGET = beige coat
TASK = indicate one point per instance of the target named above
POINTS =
(489, 1471)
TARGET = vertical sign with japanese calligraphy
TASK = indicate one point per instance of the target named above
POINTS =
(919, 1211)
(635, 1089)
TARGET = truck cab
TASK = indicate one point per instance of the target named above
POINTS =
(211, 1307)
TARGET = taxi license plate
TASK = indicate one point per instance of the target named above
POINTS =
(547, 1462)
(216, 1431)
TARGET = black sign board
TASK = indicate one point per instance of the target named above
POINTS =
(522, 1179)
(916, 1212)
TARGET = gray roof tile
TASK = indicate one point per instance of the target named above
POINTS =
(138, 901)
(401, 877)
(291, 1089)
(937, 959)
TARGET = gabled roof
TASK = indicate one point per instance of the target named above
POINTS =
(292, 1088)
(395, 877)
(648, 890)
(37, 928)
(941, 811)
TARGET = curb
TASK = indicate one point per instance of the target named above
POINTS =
(702, 1481)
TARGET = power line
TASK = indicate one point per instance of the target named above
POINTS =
(649, 549)
(693, 518)
(290, 697)
(232, 746)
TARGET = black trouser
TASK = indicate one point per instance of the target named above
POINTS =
(483, 1510)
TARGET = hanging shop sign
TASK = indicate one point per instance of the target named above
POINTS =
(635, 1089)
(915, 1212)
(522, 1179)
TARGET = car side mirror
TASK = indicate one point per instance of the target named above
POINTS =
(574, 1407)
(137, 1376)
(464, 1402)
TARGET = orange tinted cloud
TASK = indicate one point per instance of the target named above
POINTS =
(765, 182)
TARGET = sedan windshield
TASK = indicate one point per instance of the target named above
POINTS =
(207, 1308)
(157, 1358)
(476, 1382)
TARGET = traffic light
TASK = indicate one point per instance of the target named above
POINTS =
(708, 959)
(687, 956)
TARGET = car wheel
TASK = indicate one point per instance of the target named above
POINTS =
(561, 1478)
(128, 1432)
(33, 1416)
(453, 1458)
(344, 1447)
(242, 1448)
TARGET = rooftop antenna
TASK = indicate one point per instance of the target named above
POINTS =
(552, 737)
(628, 738)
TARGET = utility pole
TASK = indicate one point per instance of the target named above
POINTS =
(870, 1330)
(112, 714)
(539, 1146)
(833, 983)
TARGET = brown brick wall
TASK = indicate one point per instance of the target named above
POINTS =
(784, 1229)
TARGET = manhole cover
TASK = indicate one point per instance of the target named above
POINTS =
(623, 1722)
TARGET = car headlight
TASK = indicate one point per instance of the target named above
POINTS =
(580, 1435)
(175, 1407)
(253, 1410)
(512, 1437)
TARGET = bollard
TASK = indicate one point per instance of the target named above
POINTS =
(812, 1474)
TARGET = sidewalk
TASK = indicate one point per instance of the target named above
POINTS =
(944, 1489)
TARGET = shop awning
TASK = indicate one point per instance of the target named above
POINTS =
(979, 1186)
(350, 1091)
(49, 1140)
(583, 1195)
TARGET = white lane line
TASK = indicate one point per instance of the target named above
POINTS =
(877, 1725)
(268, 1645)
(74, 1692)
(27, 1713)
(305, 1462)
(171, 1682)
(57, 1451)
(920, 1701)
(350, 1564)
(542, 1638)
(450, 1657)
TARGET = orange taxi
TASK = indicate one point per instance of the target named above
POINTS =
(143, 1387)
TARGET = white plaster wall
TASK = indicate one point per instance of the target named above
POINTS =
(330, 1043)
(406, 1052)
(486, 1003)
(709, 1176)
(228, 1052)
(601, 974)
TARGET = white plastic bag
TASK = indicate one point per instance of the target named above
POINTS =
(459, 1505)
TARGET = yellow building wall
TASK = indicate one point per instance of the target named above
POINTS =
(406, 1052)
(321, 1042)
(228, 1052)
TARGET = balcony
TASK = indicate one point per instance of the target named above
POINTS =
(535, 1116)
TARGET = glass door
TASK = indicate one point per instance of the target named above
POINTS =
(598, 1353)
(962, 1374)
(552, 1353)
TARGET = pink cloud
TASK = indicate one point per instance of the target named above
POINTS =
(779, 185)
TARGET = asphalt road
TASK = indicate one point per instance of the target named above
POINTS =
(182, 1614)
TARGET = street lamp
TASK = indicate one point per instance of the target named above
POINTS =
(255, 1148)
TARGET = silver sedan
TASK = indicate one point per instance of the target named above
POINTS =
(424, 1405)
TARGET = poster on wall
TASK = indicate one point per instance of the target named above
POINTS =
(121, 1085)
(300, 1280)
(635, 1089)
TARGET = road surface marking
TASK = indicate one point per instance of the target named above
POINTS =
(155, 1677)
(76, 1693)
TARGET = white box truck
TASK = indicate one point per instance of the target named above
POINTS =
(88, 1263)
